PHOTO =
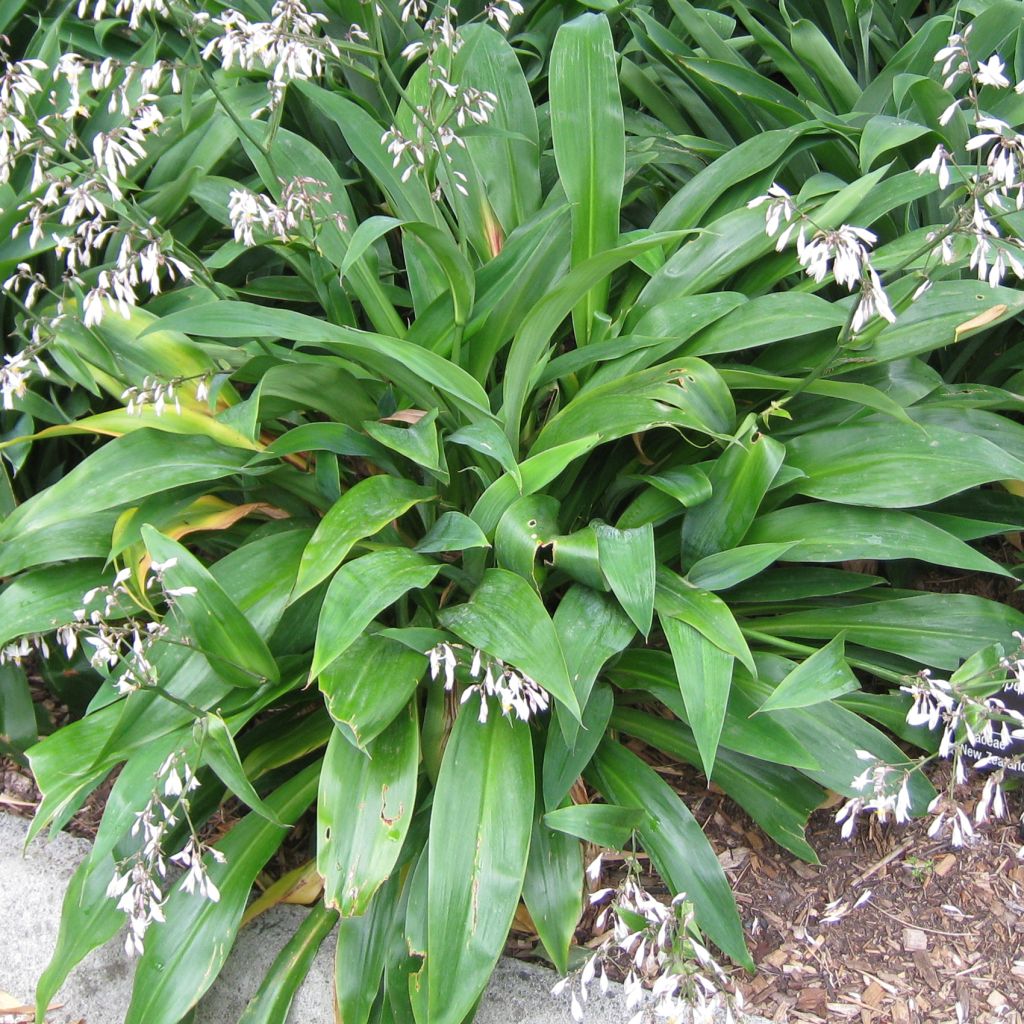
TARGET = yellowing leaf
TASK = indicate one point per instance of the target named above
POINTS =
(976, 323)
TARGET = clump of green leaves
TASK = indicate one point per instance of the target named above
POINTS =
(476, 428)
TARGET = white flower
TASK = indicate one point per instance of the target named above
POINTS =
(937, 164)
(990, 72)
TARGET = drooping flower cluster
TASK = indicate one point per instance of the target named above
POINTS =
(654, 944)
(118, 640)
(138, 882)
(156, 394)
(134, 9)
(451, 105)
(304, 201)
(972, 727)
(81, 199)
(843, 251)
(994, 185)
(886, 789)
(515, 691)
(291, 46)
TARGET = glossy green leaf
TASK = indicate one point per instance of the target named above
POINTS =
(740, 478)
(726, 569)
(506, 618)
(686, 394)
(418, 441)
(365, 806)
(553, 889)
(704, 672)
(273, 998)
(359, 592)
(37, 601)
(183, 956)
(220, 753)
(892, 465)
(936, 630)
(588, 136)
(411, 365)
(778, 798)
(822, 676)
(758, 736)
(529, 350)
(363, 510)
(601, 824)
(829, 726)
(821, 532)
(706, 612)
(591, 628)
(563, 764)
(526, 525)
(452, 531)
(677, 846)
(766, 319)
(486, 437)
(689, 485)
(628, 563)
(222, 633)
(121, 472)
(478, 847)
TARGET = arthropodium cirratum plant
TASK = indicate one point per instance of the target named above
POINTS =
(485, 401)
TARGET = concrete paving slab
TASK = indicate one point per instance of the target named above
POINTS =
(32, 888)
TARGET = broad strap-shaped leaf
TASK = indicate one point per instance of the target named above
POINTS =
(893, 465)
(937, 630)
(564, 764)
(257, 577)
(362, 949)
(366, 803)
(506, 618)
(759, 736)
(688, 393)
(706, 612)
(704, 673)
(675, 842)
(822, 676)
(739, 478)
(452, 531)
(359, 592)
(273, 999)
(412, 366)
(478, 847)
(588, 135)
(418, 442)
(591, 629)
(121, 472)
(529, 352)
(221, 754)
(526, 525)
(37, 601)
(601, 824)
(628, 563)
(367, 687)
(726, 569)
(823, 532)
(829, 726)
(363, 510)
(553, 889)
(507, 159)
(222, 633)
(780, 799)
(89, 917)
(184, 954)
